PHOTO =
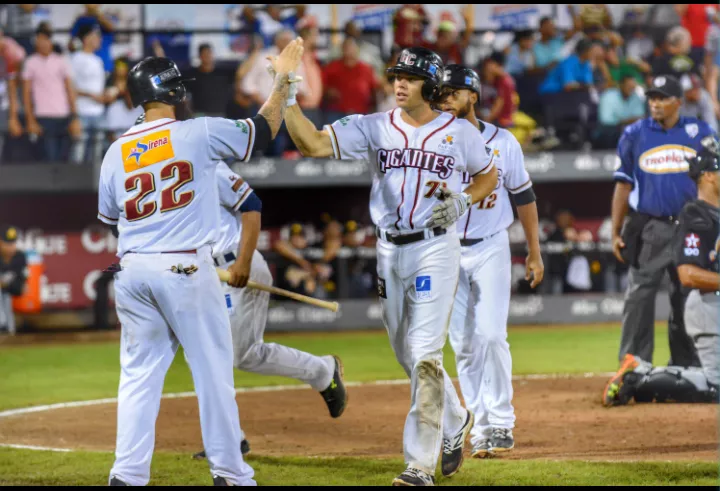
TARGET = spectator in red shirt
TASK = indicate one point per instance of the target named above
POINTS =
(409, 22)
(697, 18)
(350, 85)
(499, 96)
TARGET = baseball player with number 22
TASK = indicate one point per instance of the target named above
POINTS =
(478, 331)
(158, 188)
(416, 156)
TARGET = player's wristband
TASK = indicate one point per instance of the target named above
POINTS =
(467, 199)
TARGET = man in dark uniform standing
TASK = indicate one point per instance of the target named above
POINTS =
(696, 248)
(652, 181)
(12, 276)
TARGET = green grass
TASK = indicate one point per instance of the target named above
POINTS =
(34, 375)
(25, 467)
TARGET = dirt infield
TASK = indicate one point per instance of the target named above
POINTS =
(556, 419)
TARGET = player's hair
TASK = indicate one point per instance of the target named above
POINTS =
(498, 57)
(44, 29)
(545, 19)
(624, 77)
(203, 47)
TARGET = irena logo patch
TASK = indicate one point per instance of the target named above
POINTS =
(468, 81)
(228, 302)
(423, 287)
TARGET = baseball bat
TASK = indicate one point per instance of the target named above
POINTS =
(224, 276)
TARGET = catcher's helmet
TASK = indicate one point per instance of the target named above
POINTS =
(156, 80)
(460, 77)
(706, 160)
(423, 63)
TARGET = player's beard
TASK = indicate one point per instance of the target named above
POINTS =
(462, 113)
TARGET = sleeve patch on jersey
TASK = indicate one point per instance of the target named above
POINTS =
(692, 245)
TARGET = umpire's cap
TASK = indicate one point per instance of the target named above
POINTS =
(423, 63)
(460, 77)
(706, 160)
(665, 86)
(156, 79)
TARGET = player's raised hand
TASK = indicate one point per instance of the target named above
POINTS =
(289, 59)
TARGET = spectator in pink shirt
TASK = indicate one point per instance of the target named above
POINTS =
(49, 97)
(11, 56)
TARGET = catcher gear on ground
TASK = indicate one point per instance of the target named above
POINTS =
(156, 80)
(453, 206)
(460, 77)
(423, 63)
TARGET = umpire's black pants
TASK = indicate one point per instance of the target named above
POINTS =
(655, 256)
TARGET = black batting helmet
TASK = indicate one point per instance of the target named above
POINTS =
(706, 160)
(423, 63)
(156, 80)
(460, 77)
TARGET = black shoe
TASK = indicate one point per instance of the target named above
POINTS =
(452, 456)
(414, 477)
(335, 395)
(244, 449)
(114, 481)
(220, 481)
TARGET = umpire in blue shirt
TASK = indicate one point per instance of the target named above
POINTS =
(652, 181)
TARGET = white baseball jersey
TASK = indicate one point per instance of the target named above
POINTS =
(233, 191)
(409, 164)
(157, 182)
(494, 213)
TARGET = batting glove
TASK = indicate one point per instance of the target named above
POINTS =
(453, 206)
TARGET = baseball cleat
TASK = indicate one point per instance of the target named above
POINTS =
(220, 481)
(481, 450)
(414, 477)
(336, 397)
(612, 395)
(114, 481)
(501, 440)
(244, 449)
(452, 456)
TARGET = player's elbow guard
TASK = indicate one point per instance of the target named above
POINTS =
(252, 203)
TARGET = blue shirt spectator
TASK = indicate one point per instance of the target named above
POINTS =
(95, 19)
(548, 52)
(572, 70)
(622, 105)
(520, 56)
(548, 49)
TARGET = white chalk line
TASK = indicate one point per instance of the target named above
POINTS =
(249, 390)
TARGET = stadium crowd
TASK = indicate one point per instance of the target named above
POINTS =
(575, 89)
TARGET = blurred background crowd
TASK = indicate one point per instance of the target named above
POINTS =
(63, 100)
